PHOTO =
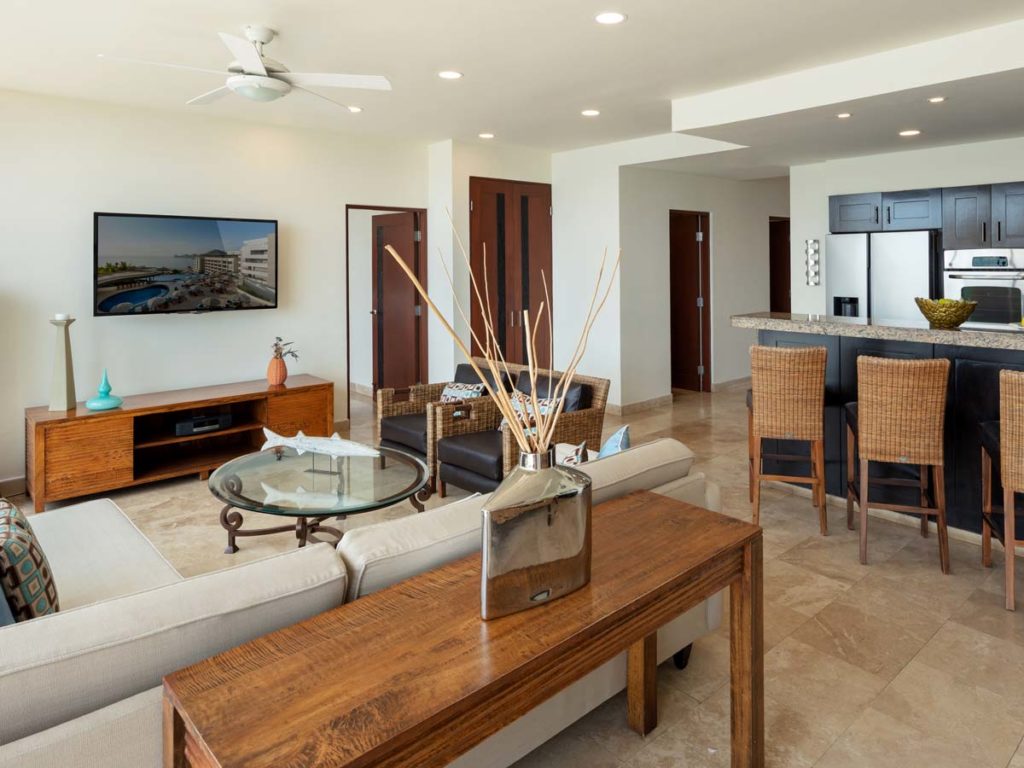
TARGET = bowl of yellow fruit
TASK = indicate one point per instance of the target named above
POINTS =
(946, 313)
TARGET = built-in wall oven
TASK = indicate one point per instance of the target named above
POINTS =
(993, 278)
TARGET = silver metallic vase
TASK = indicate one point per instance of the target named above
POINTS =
(536, 536)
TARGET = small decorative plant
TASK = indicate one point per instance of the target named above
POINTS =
(277, 371)
(281, 349)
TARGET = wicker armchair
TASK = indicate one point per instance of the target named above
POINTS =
(480, 416)
(416, 400)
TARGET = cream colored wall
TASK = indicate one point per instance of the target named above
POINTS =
(810, 186)
(63, 159)
(739, 214)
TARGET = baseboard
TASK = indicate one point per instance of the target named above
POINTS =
(731, 384)
(365, 390)
(643, 405)
(342, 426)
(959, 534)
(12, 486)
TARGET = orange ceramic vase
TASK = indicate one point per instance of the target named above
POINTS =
(277, 372)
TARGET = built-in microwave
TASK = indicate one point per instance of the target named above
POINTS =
(993, 278)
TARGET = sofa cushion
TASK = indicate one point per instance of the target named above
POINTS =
(59, 667)
(97, 553)
(478, 452)
(409, 430)
(464, 374)
(466, 480)
(382, 554)
(577, 396)
(26, 581)
(641, 468)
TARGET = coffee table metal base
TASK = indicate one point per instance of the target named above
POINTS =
(304, 527)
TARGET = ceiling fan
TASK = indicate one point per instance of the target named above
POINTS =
(260, 78)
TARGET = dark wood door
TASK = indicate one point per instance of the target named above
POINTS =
(399, 323)
(1008, 215)
(966, 216)
(778, 265)
(690, 303)
(510, 252)
(855, 213)
(911, 209)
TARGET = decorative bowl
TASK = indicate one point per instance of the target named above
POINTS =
(946, 313)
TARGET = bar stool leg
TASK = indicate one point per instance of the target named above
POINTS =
(1009, 544)
(818, 454)
(750, 449)
(755, 477)
(850, 447)
(925, 502)
(939, 480)
(986, 508)
(864, 512)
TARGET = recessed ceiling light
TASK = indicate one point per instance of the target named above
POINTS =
(449, 74)
(610, 17)
(355, 110)
(936, 99)
(590, 112)
(843, 115)
(910, 132)
(486, 135)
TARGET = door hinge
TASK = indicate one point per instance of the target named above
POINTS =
(417, 236)
(700, 302)
(551, 210)
(700, 237)
(418, 310)
(470, 206)
(700, 370)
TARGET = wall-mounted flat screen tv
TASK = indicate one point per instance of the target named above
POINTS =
(159, 264)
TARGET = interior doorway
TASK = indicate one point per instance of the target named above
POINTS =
(779, 264)
(690, 303)
(511, 221)
(387, 322)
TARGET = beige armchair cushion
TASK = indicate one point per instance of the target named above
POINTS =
(59, 667)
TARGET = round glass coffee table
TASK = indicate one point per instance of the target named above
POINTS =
(312, 488)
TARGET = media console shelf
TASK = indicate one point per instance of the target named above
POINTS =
(81, 452)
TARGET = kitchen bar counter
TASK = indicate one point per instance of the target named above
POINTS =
(976, 356)
(1010, 337)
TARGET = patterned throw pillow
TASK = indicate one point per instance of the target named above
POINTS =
(456, 393)
(25, 576)
(573, 456)
(522, 404)
(616, 443)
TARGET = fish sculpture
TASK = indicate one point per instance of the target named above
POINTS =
(329, 446)
(300, 498)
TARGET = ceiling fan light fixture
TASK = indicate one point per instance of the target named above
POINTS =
(258, 88)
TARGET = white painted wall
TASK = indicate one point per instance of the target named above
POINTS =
(810, 186)
(360, 294)
(63, 159)
(739, 214)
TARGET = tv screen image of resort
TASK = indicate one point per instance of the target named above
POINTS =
(158, 264)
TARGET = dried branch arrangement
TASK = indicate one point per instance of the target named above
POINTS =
(532, 427)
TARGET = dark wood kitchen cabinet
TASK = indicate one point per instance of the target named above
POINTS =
(855, 213)
(1008, 215)
(911, 209)
(967, 217)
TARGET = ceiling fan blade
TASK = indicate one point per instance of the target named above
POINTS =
(320, 96)
(127, 60)
(246, 54)
(331, 80)
(206, 98)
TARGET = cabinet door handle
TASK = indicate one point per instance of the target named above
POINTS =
(999, 231)
(888, 214)
(876, 214)
(984, 232)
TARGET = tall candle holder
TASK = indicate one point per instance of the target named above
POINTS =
(62, 390)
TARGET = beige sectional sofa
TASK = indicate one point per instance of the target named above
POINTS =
(82, 687)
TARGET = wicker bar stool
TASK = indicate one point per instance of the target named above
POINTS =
(899, 418)
(787, 402)
(1003, 441)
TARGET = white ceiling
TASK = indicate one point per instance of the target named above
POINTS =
(530, 66)
(976, 109)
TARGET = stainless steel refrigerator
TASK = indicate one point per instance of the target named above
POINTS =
(880, 274)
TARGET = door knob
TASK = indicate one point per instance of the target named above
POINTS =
(373, 311)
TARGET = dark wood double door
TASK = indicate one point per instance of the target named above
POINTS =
(510, 255)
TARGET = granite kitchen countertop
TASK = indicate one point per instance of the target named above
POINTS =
(977, 335)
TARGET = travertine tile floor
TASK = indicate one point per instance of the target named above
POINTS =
(890, 664)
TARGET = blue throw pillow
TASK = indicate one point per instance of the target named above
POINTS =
(616, 443)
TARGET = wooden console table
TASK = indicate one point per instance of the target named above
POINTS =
(74, 453)
(411, 676)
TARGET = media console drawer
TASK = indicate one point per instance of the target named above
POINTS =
(75, 453)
